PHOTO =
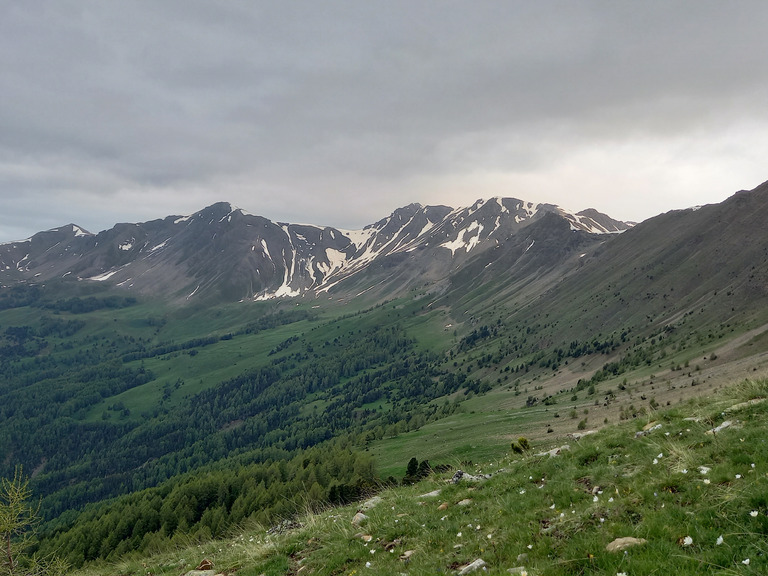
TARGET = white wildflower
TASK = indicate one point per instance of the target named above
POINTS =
(754, 513)
(367, 564)
(719, 540)
(655, 461)
(745, 562)
(706, 480)
(595, 499)
(687, 541)
(522, 491)
(738, 476)
(458, 535)
(530, 546)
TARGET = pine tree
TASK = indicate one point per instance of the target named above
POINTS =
(18, 520)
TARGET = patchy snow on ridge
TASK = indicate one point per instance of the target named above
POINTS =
(336, 260)
(462, 242)
(159, 246)
(105, 276)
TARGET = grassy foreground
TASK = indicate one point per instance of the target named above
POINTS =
(698, 498)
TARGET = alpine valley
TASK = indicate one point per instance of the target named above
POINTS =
(164, 382)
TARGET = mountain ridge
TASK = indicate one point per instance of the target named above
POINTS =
(225, 251)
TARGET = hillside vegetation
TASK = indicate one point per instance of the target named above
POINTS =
(144, 424)
(681, 490)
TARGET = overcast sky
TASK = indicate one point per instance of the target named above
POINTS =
(338, 112)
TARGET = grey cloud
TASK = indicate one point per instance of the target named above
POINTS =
(327, 103)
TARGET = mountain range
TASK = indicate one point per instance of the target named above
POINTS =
(152, 355)
(224, 252)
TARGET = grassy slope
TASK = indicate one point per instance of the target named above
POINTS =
(558, 512)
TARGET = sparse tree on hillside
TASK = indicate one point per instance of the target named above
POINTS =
(18, 519)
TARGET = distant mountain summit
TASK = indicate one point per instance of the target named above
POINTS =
(226, 253)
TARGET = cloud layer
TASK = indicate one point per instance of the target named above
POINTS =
(338, 112)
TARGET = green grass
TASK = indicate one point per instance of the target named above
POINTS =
(559, 512)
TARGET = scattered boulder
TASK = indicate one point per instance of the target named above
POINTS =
(579, 435)
(433, 494)
(461, 475)
(359, 518)
(718, 429)
(647, 429)
(407, 554)
(522, 558)
(747, 404)
(205, 565)
(284, 527)
(443, 506)
(371, 502)
(201, 573)
(465, 502)
(388, 546)
(472, 567)
(555, 451)
(623, 543)
(518, 571)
